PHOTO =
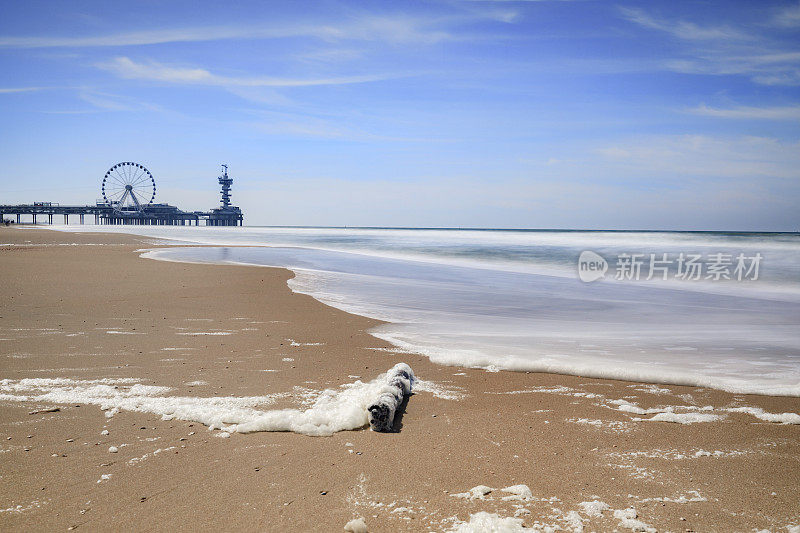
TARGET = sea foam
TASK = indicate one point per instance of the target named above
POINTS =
(331, 411)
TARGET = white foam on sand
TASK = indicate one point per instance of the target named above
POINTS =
(356, 525)
(483, 522)
(683, 418)
(475, 493)
(690, 414)
(575, 520)
(594, 507)
(439, 391)
(294, 343)
(650, 388)
(198, 333)
(19, 509)
(782, 418)
(518, 493)
(617, 426)
(690, 497)
(146, 456)
(680, 414)
(628, 519)
(331, 410)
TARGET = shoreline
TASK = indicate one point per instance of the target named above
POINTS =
(562, 436)
(396, 331)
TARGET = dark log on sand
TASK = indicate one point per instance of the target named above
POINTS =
(382, 410)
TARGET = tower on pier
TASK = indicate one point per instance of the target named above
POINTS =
(226, 182)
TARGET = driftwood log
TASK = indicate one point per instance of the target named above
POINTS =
(383, 409)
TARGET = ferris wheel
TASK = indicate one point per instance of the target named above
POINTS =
(128, 186)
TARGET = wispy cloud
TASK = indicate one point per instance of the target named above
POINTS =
(270, 96)
(327, 54)
(398, 29)
(113, 102)
(19, 90)
(126, 68)
(764, 68)
(177, 35)
(139, 38)
(726, 50)
(682, 29)
(103, 102)
(788, 17)
(748, 112)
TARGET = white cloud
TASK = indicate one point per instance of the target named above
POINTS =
(726, 50)
(19, 90)
(748, 112)
(126, 68)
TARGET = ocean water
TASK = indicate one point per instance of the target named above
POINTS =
(513, 299)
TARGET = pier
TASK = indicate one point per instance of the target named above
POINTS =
(128, 191)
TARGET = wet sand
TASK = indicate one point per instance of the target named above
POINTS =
(564, 437)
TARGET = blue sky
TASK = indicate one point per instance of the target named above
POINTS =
(541, 114)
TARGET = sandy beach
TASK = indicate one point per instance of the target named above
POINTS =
(592, 455)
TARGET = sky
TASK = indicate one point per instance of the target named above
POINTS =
(453, 113)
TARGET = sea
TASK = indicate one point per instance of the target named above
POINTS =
(706, 309)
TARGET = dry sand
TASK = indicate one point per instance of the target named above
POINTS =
(559, 435)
